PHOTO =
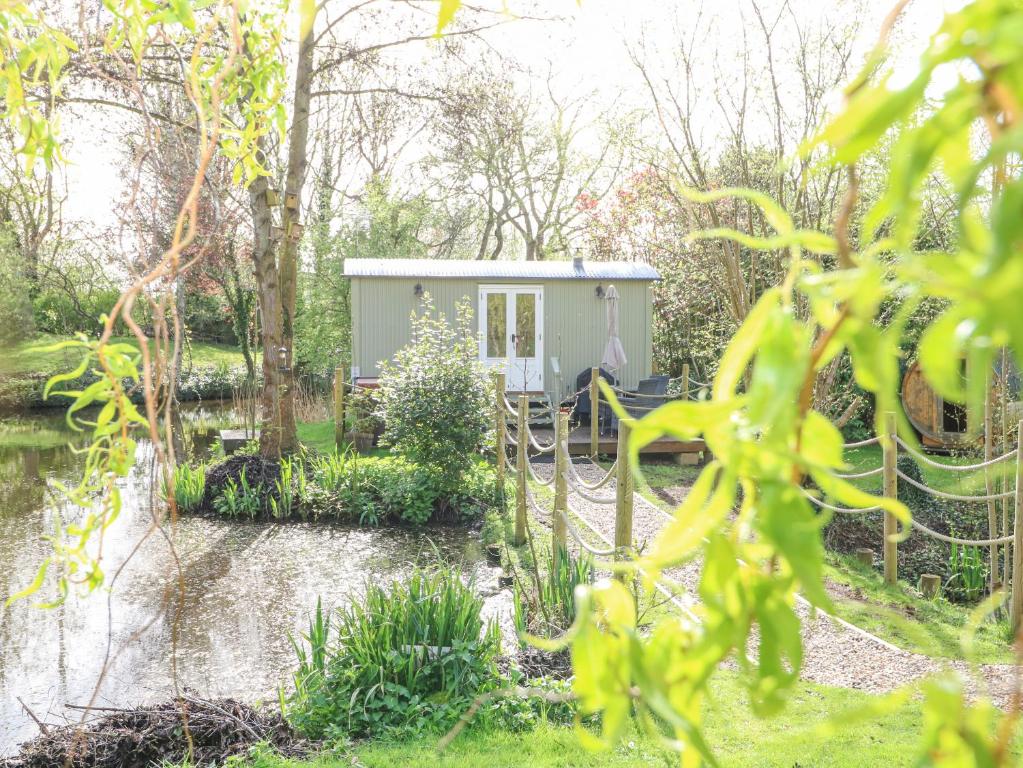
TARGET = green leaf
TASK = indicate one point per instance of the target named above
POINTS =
(744, 344)
(815, 242)
(446, 14)
(785, 519)
(33, 587)
(307, 17)
(707, 504)
(942, 354)
(70, 376)
(775, 215)
(822, 442)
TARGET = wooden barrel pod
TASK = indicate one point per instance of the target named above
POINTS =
(940, 424)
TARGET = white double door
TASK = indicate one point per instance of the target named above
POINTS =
(511, 334)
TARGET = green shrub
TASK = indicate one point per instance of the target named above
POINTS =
(404, 489)
(478, 491)
(521, 713)
(21, 391)
(364, 412)
(60, 313)
(407, 659)
(349, 487)
(436, 395)
(374, 488)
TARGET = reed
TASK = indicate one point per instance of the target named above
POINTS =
(239, 499)
(189, 486)
(404, 648)
(312, 403)
(549, 609)
(559, 587)
(968, 571)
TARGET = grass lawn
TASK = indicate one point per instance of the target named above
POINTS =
(319, 436)
(660, 474)
(868, 457)
(821, 726)
(27, 357)
(897, 614)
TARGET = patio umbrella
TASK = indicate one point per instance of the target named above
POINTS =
(614, 354)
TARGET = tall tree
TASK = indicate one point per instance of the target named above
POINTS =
(325, 54)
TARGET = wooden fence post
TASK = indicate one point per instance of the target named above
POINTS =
(1017, 538)
(561, 459)
(992, 505)
(521, 457)
(685, 382)
(339, 407)
(594, 411)
(1003, 428)
(891, 490)
(623, 492)
(499, 422)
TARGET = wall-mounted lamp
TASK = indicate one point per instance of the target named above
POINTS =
(600, 291)
(282, 360)
(418, 290)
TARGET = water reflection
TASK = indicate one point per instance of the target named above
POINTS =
(245, 587)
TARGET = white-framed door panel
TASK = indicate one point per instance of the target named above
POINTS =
(511, 333)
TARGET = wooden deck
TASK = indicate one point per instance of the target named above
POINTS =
(607, 444)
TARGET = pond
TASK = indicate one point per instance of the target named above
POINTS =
(246, 586)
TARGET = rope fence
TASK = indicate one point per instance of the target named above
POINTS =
(570, 527)
(925, 459)
(536, 478)
(841, 510)
(859, 475)
(951, 496)
(583, 494)
(578, 480)
(956, 540)
(563, 513)
(863, 443)
(566, 480)
(537, 445)
(1004, 541)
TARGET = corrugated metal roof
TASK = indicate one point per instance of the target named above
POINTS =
(496, 270)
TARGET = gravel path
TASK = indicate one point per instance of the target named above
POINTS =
(835, 652)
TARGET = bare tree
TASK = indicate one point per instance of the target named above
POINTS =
(522, 157)
(30, 207)
(742, 128)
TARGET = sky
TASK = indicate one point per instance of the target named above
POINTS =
(587, 54)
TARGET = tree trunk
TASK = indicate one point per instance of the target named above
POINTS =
(297, 164)
(264, 267)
